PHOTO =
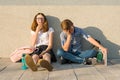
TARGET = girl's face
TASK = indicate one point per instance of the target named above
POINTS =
(40, 19)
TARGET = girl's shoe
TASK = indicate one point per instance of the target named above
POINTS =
(45, 64)
(30, 63)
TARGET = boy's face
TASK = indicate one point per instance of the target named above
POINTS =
(71, 30)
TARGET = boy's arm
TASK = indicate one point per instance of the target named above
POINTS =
(66, 45)
(103, 49)
(94, 42)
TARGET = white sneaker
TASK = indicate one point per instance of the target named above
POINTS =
(93, 60)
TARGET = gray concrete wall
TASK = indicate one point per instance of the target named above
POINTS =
(99, 18)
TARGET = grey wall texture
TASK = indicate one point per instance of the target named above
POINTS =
(100, 19)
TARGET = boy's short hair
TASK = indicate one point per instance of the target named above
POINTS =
(66, 24)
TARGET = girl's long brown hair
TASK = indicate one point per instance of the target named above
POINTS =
(34, 24)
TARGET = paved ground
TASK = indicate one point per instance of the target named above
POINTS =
(12, 71)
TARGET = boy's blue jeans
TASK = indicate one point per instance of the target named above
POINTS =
(77, 57)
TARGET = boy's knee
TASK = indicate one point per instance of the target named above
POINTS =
(60, 52)
(94, 53)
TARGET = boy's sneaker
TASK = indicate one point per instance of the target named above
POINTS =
(30, 63)
(45, 64)
(63, 60)
(87, 62)
(94, 61)
(90, 61)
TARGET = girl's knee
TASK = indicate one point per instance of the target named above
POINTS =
(46, 55)
(35, 56)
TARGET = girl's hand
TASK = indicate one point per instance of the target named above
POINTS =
(42, 53)
(38, 28)
(33, 48)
